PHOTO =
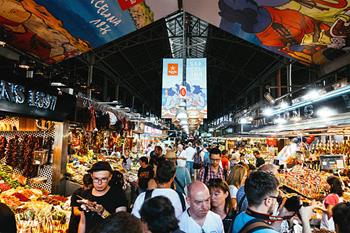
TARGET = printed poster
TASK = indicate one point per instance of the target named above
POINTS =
(196, 86)
(172, 81)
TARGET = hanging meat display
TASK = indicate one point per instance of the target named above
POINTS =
(13, 152)
(3, 144)
(27, 150)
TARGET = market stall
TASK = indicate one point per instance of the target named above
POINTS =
(31, 139)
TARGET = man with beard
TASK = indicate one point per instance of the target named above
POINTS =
(198, 218)
(261, 190)
(102, 200)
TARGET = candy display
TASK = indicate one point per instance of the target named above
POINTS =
(308, 182)
(35, 210)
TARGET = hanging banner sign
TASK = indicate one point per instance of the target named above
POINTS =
(56, 30)
(196, 85)
(17, 99)
(172, 80)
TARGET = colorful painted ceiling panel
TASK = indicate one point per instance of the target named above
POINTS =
(311, 31)
(54, 30)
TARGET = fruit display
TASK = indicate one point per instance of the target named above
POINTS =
(37, 211)
(310, 183)
(80, 165)
(9, 180)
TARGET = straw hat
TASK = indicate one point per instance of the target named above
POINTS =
(170, 154)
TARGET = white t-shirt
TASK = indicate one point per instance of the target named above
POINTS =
(233, 191)
(182, 162)
(212, 224)
(190, 152)
(169, 193)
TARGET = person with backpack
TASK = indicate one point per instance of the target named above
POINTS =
(197, 160)
(182, 176)
(206, 156)
(213, 170)
(165, 176)
(261, 190)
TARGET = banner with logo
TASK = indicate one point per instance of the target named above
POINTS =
(55, 30)
(309, 31)
(196, 86)
(172, 81)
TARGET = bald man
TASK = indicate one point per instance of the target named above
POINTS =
(198, 218)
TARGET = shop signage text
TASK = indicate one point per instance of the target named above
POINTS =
(17, 94)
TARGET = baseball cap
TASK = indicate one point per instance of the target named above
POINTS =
(100, 166)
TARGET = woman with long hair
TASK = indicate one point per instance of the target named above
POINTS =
(236, 179)
(332, 199)
(221, 201)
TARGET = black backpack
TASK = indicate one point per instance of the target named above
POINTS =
(197, 159)
(148, 195)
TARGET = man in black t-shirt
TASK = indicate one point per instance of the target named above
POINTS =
(102, 200)
(144, 174)
(156, 156)
(259, 160)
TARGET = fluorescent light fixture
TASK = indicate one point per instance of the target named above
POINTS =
(268, 111)
(280, 121)
(326, 112)
(243, 120)
(296, 119)
(284, 105)
(24, 66)
(57, 84)
(328, 95)
(312, 95)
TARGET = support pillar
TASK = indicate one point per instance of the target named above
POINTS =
(60, 151)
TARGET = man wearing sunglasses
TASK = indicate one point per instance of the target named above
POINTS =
(102, 200)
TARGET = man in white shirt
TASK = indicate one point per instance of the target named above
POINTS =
(181, 156)
(164, 178)
(198, 218)
(190, 152)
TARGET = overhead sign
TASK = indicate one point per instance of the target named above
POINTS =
(196, 86)
(21, 100)
(309, 31)
(172, 81)
(55, 30)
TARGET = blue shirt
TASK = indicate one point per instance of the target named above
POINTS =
(183, 177)
(240, 194)
(242, 219)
